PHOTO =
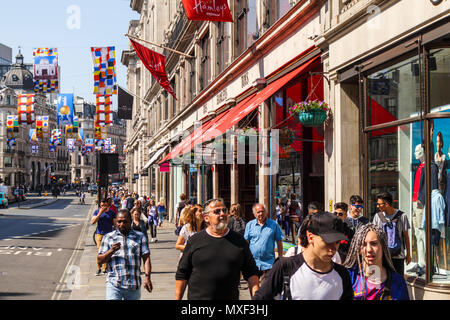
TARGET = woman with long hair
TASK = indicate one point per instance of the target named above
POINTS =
(236, 221)
(370, 267)
(153, 219)
(194, 223)
(137, 223)
(161, 211)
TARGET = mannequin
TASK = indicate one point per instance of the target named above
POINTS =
(418, 204)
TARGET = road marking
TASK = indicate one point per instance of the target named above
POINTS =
(59, 288)
(45, 231)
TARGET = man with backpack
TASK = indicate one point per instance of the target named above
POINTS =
(395, 224)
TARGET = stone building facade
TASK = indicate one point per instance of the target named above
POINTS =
(384, 79)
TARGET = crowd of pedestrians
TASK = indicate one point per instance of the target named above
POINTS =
(339, 255)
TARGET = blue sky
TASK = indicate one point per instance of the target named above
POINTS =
(53, 23)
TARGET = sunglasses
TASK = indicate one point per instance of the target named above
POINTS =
(340, 214)
(358, 206)
(218, 210)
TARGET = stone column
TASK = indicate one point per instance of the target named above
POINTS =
(200, 184)
(264, 153)
(215, 181)
(234, 181)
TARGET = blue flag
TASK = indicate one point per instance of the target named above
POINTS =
(65, 109)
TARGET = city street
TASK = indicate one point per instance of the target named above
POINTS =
(36, 245)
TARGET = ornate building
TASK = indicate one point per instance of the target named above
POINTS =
(17, 164)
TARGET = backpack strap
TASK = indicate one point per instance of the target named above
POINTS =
(286, 288)
(382, 217)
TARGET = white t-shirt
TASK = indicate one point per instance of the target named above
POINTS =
(307, 284)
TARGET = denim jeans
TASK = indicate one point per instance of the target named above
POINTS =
(114, 293)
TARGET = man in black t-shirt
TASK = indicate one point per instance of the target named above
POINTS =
(213, 260)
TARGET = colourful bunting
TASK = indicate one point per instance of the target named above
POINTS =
(25, 108)
(103, 110)
(56, 137)
(45, 67)
(12, 128)
(65, 109)
(105, 77)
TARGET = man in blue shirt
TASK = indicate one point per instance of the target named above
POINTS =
(262, 233)
(105, 219)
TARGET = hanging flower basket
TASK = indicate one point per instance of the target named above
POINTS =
(311, 113)
(247, 135)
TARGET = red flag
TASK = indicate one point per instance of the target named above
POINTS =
(207, 10)
(155, 63)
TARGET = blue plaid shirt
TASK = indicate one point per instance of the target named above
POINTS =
(124, 268)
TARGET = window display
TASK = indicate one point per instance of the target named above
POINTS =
(396, 156)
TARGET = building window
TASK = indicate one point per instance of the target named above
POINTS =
(223, 50)
(191, 77)
(205, 62)
(246, 25)
(166, 105)
(277, 9)
(174, 102)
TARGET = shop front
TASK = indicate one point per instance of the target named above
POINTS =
(405, 119)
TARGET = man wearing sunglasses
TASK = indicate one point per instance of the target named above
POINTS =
(213, 260)
(355, 219)
(340, 211)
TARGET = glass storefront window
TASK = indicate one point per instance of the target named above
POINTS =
(393, 93)
(440, 199)
(394, 166)
(439, 65)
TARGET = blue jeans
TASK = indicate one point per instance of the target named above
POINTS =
(114, 293)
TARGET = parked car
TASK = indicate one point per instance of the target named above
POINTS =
(9, 194)
(3, 200)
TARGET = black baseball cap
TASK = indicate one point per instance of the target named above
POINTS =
(326, 225)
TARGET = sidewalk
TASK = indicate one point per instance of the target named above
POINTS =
(164, 259)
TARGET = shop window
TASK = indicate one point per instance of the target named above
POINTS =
(393, 93)
(439, 66)
(440, 199)
(395, 165)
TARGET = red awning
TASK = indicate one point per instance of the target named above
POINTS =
(222, 123)
(242, 109)
(189, 142)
